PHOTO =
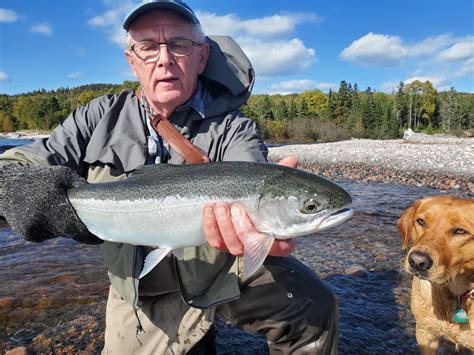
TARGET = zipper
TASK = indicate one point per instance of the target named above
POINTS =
(135, 292)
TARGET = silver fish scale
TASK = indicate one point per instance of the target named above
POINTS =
(227, 179)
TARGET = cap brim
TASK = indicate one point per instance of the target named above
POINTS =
(160, 5)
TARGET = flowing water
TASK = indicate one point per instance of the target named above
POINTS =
(53, 294)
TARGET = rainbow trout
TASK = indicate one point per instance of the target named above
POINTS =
(161, 206)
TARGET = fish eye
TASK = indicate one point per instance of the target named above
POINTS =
(310, 206)
(420, 221)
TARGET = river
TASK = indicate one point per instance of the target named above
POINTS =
(53, 294)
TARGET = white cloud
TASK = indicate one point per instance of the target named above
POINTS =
(442, 77)
(268, 41)
(3, 76)
(267, 26)
(42, 28)
(386, 50)
(389, 86)
(75, 75)
(7, 15)
(439, 81)
(429, 45)
(436, 80)
(112, 20)
(462, 50)
(443, 88)
(439, 59)
(375, 49)
(467, 68)
(277, 57)
(297, 86)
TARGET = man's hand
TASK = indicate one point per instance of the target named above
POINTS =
(225, 226)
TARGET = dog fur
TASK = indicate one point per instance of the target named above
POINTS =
(441, 259)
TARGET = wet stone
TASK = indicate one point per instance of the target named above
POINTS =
(356, 270)
(21, 350)
(23, 336)
(6, 303)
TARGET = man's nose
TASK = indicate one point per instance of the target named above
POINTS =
(165, 57)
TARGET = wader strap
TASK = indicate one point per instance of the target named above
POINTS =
(184, 147)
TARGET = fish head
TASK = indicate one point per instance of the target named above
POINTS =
(295, 203)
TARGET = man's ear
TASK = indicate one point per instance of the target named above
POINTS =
(131, 61)
(405, 223)
(203, 56)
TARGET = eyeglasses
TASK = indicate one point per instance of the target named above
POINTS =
(149, 51)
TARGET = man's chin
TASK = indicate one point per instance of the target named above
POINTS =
(169, 100)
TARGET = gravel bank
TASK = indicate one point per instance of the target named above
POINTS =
(440, 162)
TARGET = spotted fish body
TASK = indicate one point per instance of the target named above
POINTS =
(161, 206)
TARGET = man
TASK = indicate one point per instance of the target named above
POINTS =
(198, 84)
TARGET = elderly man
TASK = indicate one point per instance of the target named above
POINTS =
(198, 84)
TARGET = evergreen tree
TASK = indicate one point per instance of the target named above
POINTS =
(292, 111)
(449, 110)
(369, 113)
(332, 106)
(302, 108)
(402, 105)
(265, 108)
(281, 110)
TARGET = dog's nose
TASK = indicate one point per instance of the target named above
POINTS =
(420, 261)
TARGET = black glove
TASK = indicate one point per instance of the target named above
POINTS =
(33, 200)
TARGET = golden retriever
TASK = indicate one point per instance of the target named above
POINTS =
(441, 259)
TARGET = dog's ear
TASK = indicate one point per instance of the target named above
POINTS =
(405, 223)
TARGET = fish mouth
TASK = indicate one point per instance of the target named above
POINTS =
(336, 218)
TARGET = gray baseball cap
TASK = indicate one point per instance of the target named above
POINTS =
(174, 5)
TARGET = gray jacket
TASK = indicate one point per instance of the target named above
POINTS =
(106, 140)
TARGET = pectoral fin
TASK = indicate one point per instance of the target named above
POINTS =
(152, 259)
(256, 248)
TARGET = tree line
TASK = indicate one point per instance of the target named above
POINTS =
(309, 116)
(351, 113)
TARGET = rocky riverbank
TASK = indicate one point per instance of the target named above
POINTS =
(438, 161)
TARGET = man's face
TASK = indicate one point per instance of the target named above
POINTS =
(170, 80)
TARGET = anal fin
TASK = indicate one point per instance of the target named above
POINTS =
(152, 259)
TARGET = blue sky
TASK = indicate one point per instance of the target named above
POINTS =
(294, 45)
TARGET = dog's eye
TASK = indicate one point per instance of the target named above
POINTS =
(460, 231)
(420, 221)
